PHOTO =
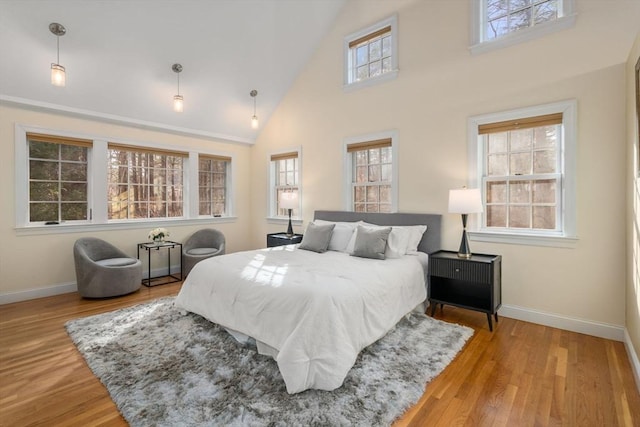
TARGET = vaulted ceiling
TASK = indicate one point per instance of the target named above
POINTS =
(118, 57)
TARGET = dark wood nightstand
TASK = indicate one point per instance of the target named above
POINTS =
(280, 239)
(474, 283)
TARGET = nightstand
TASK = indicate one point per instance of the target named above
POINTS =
(280, 239)
(474, 283)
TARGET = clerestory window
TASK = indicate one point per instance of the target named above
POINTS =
(499, 23)
(371, 55)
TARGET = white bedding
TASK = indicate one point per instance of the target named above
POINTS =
(315, 311)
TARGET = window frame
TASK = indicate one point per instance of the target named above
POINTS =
(348, 162)
(480, 44)
(59, 141)
(227, 181)
(98, 179)
(272, 190)
(566, 236)
(348, 82)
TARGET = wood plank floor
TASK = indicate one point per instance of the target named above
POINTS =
(520, 375)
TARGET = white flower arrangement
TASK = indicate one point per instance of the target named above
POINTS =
(158, 234)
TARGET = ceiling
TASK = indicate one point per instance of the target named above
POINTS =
(118, 57)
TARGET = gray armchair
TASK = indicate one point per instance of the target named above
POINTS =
(102, 270)
(202, 244)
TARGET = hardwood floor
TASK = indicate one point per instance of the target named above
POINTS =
(520, 375)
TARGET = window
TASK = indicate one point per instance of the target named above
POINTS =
(144, 184)
(212, 185)
(58, 178)
(372, 54)
(71, 182)
(371, 173)
(284, 177)
(525, 171)
(498, 23)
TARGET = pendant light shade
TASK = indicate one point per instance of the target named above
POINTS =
(178, 103)
(58, 75)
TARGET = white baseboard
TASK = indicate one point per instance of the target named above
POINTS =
(589, 327)
(65, 288)
(633, 357)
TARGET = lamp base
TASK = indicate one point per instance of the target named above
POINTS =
(464, 251)
(289, 228)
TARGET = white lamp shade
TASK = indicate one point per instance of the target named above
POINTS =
(465, 201)
(288, 200)
(254, 122)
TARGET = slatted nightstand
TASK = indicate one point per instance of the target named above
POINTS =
(474, 283)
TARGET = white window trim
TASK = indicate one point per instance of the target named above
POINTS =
(480, 45)
(347, 195)
(271, 183)
(568, 236)
(98, 180)
(348, 86)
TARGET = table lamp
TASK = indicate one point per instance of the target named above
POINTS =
(465, 201)
(288, 200)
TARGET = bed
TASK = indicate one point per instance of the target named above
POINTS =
(313, 312)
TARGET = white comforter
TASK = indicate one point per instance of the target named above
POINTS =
(316, 310)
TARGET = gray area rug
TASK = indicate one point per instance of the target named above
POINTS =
(164, 368)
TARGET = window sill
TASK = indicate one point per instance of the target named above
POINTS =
(35, 230)
(523, 239)
(388, 76)
(283, 220)
(524, 35)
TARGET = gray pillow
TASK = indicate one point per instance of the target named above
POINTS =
(371, 242)
(316, 237)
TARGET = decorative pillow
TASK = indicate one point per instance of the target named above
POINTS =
(316, 237)
(415, 235)
(397, 242)
(341, 235)
(371, 242)
(352, 241)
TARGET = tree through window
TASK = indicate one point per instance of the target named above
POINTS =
(144, 184)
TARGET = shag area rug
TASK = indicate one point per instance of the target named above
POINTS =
(165, 368)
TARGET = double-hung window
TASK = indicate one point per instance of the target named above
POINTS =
(372, 53)
(371, 170)
(498, 23)
(144, 184)
(525, 171)
(213, 182)
(58, 178)
(284, 178)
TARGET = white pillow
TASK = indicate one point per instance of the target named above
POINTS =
(342, 233)
(415, 235)
(397, 242)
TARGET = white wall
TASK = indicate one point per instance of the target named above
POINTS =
(440, 85)
(44, 261)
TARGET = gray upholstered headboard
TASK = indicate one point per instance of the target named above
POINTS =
(430, 240)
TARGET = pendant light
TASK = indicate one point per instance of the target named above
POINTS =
(254, 119)
(58, 75)
(178, 101)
